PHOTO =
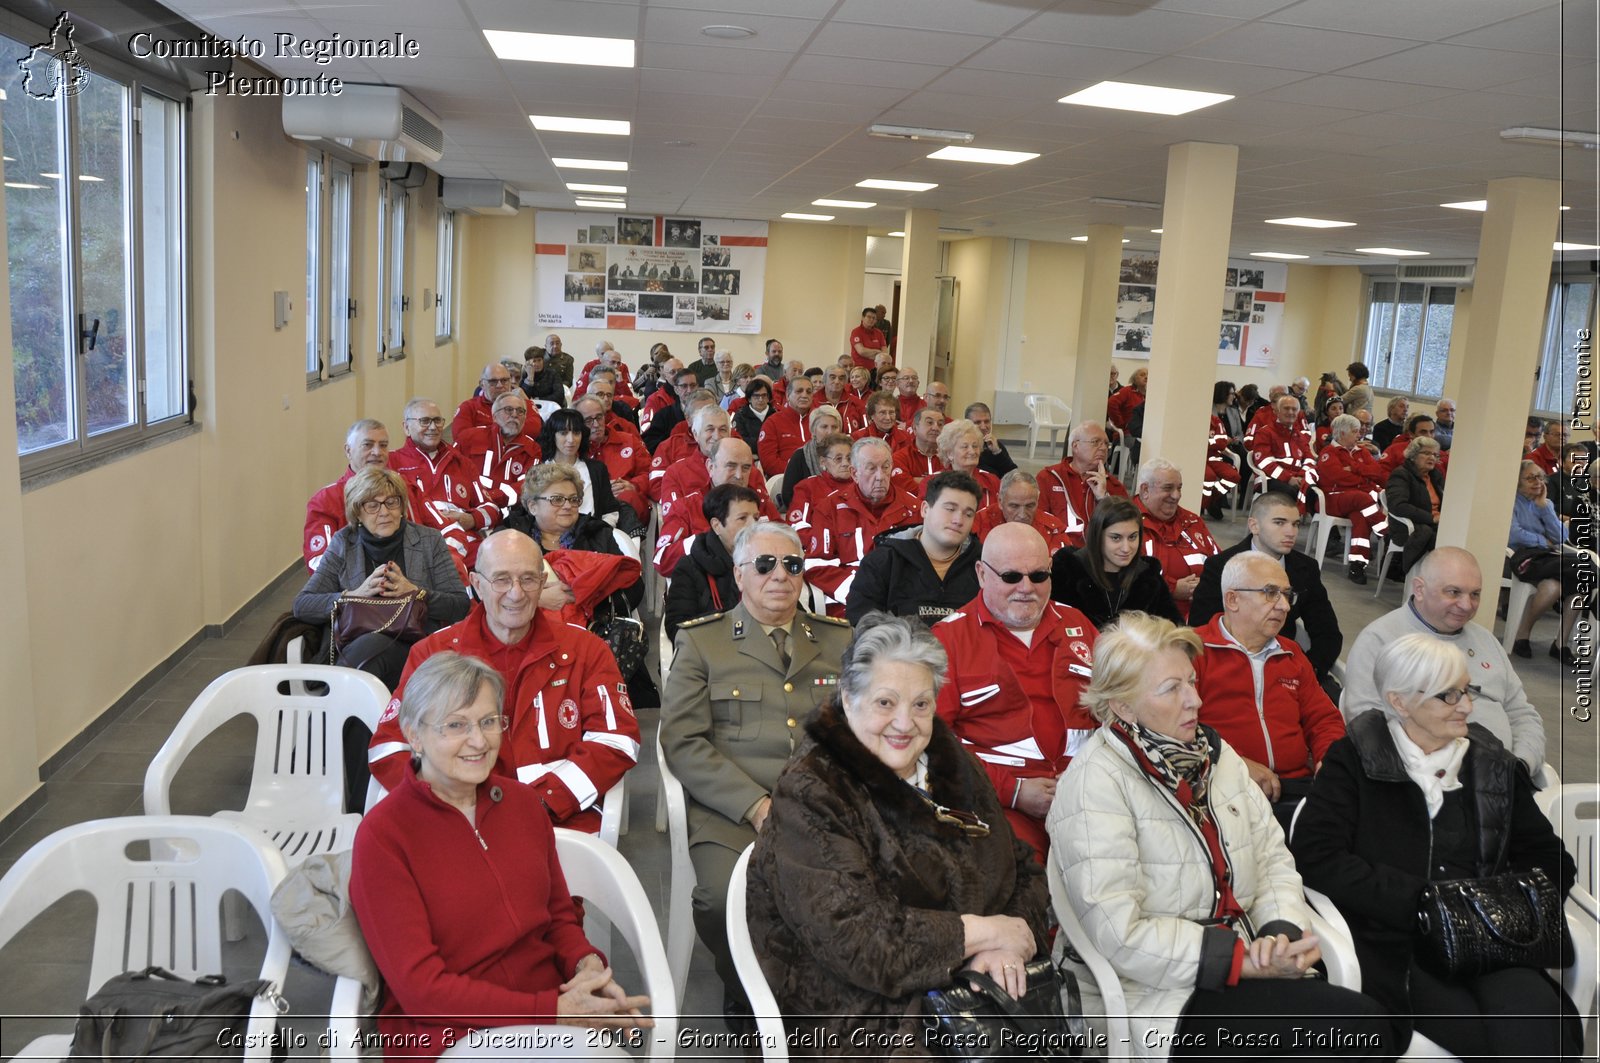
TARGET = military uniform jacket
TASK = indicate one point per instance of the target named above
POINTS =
(731, 715)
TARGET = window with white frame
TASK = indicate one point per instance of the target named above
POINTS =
(341, 184)
(1570, 308)
(445, 300)
(328, 191)
(392, 302)
(95, 221)
(1407, 345)
(315, 308)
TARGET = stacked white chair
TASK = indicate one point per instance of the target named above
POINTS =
(769, 1022)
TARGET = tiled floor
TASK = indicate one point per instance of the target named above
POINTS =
(45, 970)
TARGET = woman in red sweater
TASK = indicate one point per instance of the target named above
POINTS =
(457, 887)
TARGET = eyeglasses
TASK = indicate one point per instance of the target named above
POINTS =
(373, 506)
(596, 421)
(1097, 444)
(528, 581)
(1272, 594)
(793, 564)
(1454, 695)
(1036, 577)
(427, 422)
(497, 381)
(459, 728)
(560, 500)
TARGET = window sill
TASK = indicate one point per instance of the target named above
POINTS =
(56, 473)
(441, 341)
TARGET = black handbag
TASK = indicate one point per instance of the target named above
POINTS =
(622, 633)
(153, 1012)
(979, 1021)
(1471, 926)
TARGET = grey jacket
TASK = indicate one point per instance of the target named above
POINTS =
(345, 567)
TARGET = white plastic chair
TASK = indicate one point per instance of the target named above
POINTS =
(297, 782)
(769, 1021)
(664, 647)
(1572, 810)
(1043, 411)
(680, 909)
(157, 912)
(545, 408)
(1517, 598)
(601, 876)
(1072, 934)
(774, 486)
(1390, 547)
(1322, 525)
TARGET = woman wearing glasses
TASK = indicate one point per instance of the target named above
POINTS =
(381, 554)
(565, 440)
(1108, 575)
(455, 882)
(1177, 871)
(1416, 793)
(886, 863)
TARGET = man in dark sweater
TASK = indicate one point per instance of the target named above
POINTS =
(1274, 520)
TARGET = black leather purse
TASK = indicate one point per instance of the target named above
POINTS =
(1471, 926)
(978, 1021)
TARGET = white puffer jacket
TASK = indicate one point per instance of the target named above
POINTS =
(1139, 876)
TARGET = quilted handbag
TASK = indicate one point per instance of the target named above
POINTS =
(402, 619)
(978, 1022)
(622, 633)
(1471, 926)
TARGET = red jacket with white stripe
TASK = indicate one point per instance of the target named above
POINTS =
(984, 703)
(324, 516)
(851, 411)
(841, 534)
(1339, 469)
(990, 517)
(572, 734)
(691, 476)
(1217, 442)
(478, 412)
(1283, 453)
(502, 464)
(1065, 495)
(679, 446)
(1181, 544)
(626, 458)
(684, 518)
(806, 496)
(896, 436)
(911, 464)
(1288, 725)
(446, 479)
(782, 433)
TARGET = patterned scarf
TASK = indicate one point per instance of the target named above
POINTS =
(1182, 767)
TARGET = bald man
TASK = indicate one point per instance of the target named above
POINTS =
(683, 516)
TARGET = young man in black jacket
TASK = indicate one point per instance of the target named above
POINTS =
(927, 572)
(702, 583)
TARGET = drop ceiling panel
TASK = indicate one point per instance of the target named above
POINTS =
(1567, 28)
(868, 75)
(872, 43)
(982, 18)
(1453, 67)
(669, 25)
(1075, 65)
(1107, 25)
(580, 17)
(1211, 75)
(1420, 20)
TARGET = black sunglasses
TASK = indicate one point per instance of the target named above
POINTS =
(1037, 576)
(793, 564)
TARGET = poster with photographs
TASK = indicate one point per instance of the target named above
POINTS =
(1249, 321)
(659, 273)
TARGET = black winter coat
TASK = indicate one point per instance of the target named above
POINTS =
(1364, 838)
(1141, 587)
(856, 890)
(689, 594)
(748, 425)
(897, 577)
(1408, 498)
(1311, 606)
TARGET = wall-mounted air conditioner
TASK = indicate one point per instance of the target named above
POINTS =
(1457, 273)
(479, 197)
(367, 121)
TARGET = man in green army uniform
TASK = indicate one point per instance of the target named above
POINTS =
(737, 694)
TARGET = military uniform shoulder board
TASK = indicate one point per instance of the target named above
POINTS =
(701, 621)
(823, 618)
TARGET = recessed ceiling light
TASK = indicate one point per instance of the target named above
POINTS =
(21, 184)
(896, 186)
(1158, 232)
(90, 177)
(728, 33)
(591, 164)
(1151, 99)
(797, 216)
(602, 204)
(578, 186)
(52, 176)
(898, 232)
(1475, 204)
(848, 204)
(1275, 254)
(1311, 223)
(550, 123)
(1085, 239)
(1112, 201)
(1576, 247)
(560, 48)
(1395, 252)
(989, 155)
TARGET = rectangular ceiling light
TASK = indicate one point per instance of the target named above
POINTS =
(898, 232)
(1275, 254)
(1394, 252)
(848, 204)
(1576, 247)
(603, 204)
(1475, 204)
(578, 186)
(1151, 99)
(896, 186)
(1310, 223)
(616, 165)
(797, 216)
(560, 48)
(1085, 239)
(550, 123)
(989, 155)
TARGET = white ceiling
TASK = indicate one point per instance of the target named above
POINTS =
(1372, 111)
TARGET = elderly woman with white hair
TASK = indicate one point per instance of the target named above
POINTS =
(886, 863)
(457, 887)
(960, 448)
(1176, 869)
(1416, 794)
(823, 420)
